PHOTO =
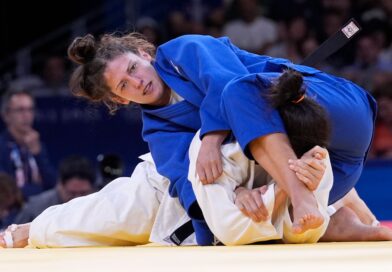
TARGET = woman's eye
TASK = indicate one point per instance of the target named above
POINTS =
(123, 85)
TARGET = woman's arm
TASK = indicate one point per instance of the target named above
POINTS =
(209, 160)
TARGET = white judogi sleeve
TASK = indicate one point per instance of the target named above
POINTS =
(122, 213)
(224, 218)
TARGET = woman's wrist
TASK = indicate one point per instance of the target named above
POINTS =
(238, 190)
(215, 138)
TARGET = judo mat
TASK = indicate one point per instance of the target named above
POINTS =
(331, 257)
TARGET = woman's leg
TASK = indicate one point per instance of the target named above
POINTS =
(355, 203)
(345, 226)
(272, 152)
(260, 132)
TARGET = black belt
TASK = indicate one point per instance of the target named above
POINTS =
(333, 43)
(181, 233)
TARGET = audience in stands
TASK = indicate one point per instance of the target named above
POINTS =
(22, 154)
(382, 142)
(76, 178)
(54, 78)
(286, 28)
(249, 29)
(10, 200)
(110, 167)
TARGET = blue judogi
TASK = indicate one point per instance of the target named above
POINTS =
(199, 68)
(190, 66)
(351, 112)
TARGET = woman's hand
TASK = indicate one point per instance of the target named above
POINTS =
(310, 168)
(251, 204)
(209, 160)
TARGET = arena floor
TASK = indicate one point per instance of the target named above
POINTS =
(331, 257)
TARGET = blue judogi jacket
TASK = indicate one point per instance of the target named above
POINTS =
(202, 70)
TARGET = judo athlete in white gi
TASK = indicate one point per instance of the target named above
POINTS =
(128, 210)
(139, 209)
(229, 224)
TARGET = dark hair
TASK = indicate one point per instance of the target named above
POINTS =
(5, 100)
(9, 191)
(306, 122)
(92, 55)
(76, 166)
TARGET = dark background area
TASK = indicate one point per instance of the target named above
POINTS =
(22, 22)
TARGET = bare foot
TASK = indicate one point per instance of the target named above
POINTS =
(345, 226)
(306, 214)
(20, 235)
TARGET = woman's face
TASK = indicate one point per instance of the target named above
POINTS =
(132, 78)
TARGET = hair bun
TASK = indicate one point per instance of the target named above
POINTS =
(287, 89)
(82, 49)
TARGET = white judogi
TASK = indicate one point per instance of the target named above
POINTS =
(224, 218)
(125, 212)
(138, 210)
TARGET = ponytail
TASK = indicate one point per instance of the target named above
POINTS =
(306, 122)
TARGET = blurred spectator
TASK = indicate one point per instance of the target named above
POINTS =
(308, 46)
(378, 10)
(283, 9)
(332, 21)
(177, 24)
(381, 30)
(150, 29)
(10, 200)
(76, 178)
(27, 82)
(54, 78)
(368, 63)
(215, 20)
(22, 154)
(250, 31)
(382, 142)
(294, 33)
(344, 7)
(110, 167)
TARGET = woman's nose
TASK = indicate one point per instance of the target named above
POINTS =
(136, 82)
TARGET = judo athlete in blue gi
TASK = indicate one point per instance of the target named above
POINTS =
(138, 209)
(201, 83)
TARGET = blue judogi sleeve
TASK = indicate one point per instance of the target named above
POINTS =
(209, 64)
(169, 149)
(168, 138)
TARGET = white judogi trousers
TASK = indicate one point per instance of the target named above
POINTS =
(224, 218)
(138, 209)
(128, 211)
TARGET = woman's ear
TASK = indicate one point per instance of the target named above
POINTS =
(143, 54)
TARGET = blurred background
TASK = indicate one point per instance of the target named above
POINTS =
(35, 36)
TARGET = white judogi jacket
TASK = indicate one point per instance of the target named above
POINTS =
(138, 210)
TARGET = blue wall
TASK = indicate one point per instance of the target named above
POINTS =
(375, 187)
(72, 126)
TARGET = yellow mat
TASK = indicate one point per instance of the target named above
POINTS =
(331, 257)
